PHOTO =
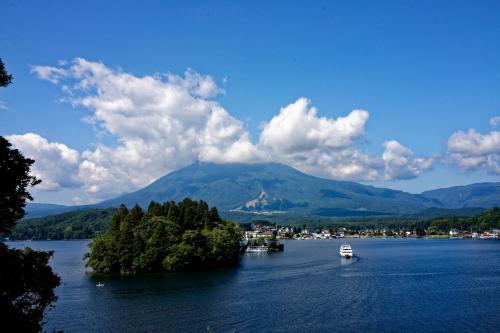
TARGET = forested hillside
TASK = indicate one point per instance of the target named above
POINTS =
(481, 222)
(71, 225)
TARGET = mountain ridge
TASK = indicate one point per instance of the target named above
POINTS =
(230, 186)
(272, 188)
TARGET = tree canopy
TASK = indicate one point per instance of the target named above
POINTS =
(15, 175)
(5, 78)
(167, 237)
(486, 220)
(16, 178)
(26, 287)
(26, 280)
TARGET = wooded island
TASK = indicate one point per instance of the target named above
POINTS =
(168, 237)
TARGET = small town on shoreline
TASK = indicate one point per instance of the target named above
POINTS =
(264, 230)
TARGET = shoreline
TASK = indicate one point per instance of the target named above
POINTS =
(282, 239)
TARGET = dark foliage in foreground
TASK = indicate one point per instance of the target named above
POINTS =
(168, 237)
(26, 287)
(26, 280)
(16, 178)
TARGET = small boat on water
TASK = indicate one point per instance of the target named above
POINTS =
(256, 249)
(345, 251)
(99, 284)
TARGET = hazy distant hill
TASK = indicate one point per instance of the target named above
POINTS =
(272, 187)
(43, 209)
(474, 195)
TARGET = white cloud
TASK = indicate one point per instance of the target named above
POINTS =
(472, 150)
(326, 147)
(55, 164)
(48, 73)
(344, 164)
(495, 121)
(297, 129)
(319, 145)
(400, 164)
(198, 85)
(3, 105)
(161, 123)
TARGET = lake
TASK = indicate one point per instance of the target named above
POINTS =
(391, 285)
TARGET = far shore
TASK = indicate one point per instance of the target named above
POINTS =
(282, 239)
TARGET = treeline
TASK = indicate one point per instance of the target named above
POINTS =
(72, 225)
(481, 222)
(167, 237)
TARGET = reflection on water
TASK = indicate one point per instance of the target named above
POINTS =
(389, 285)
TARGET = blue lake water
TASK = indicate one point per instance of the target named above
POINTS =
(391, 285)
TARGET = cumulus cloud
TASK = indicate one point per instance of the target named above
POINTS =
(400, 164)
(319, 145)
(161, 123)
(55, 163)
(297, 128)
(326, 147)
(472, 150)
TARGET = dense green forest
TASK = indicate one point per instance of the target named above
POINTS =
(481, 222)
(72, 225)
(167, 237)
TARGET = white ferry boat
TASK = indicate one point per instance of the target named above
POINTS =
(345, 251)
(254, 249)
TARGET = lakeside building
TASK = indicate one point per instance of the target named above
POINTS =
(492, 234)
(258, 234)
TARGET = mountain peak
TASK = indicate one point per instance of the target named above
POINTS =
(272, 187)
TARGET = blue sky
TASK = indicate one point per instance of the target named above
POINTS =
(424, 70)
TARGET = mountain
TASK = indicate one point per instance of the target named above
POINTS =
(43, 209)
(276, 189)
(273, 188)
(475, 195)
